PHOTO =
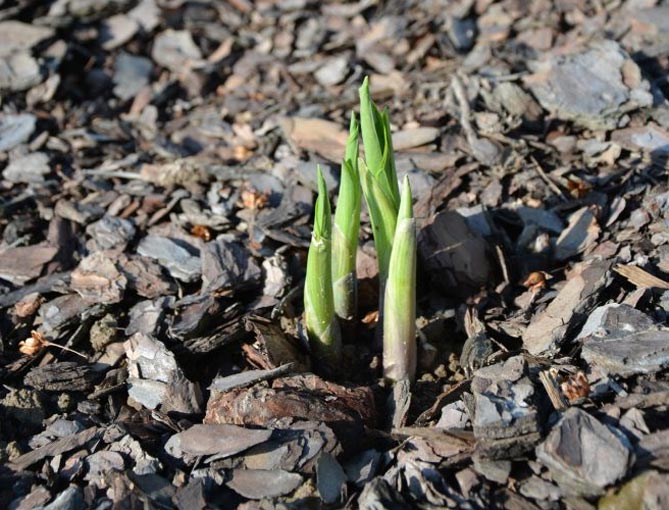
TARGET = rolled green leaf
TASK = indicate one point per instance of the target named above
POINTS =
(378, 177)
(319, 315)
(399, 313)
(382, 216)
(346, 229)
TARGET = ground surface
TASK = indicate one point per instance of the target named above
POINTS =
(158, 171)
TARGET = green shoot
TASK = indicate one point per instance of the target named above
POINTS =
(378, 177)
(399, 313)
(321, 323)
(346, 228)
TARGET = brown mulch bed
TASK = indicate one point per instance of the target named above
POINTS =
(158, 177)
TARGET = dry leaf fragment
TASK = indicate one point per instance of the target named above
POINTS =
(254, 199)
(371, 318)
(576, 387)
(201, 231)
(536, 280)
(34, 344)
(38, 341)
(578, 188)
(242, 153)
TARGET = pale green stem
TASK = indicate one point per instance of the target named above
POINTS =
(319, 315)
(346, 229)
(399, 313)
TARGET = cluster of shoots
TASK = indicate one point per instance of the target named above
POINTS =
(330, 292)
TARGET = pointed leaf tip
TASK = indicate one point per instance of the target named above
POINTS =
(406, 207)
(353, 125)
(364, 88)
(322, 221)
(322, 188)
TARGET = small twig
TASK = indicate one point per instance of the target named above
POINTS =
(554, 187)
(502, 263)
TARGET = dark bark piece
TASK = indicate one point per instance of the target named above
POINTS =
(15, 129)
(71, 498)
(330, 479)
(221, 440)
(232, 330)
(20, 36)
(99, 464)
(181, 261)
(646, 352)
(61, 234)
(65, 311)
(449, 396)
(539, 489)
(493, 470)
(505, 410)
(363, 467)
(155, 380)
(97, 278)
(653, 450)
(548, 329)
(25, 263)
(583, 455)
(37, 498)
(380, 495)
(192, 315)
(615, 319)
(147, 316)
(191, 496)
(295, 446)
(429, 203)
(560, 83)
(145, 276)
(248, 378)
(316, 135)
(176, 50)
(153, 488)
(228, 266)
(28, 169)
(25, 408)
(297, 237)
(260, 483)
(513, 501)
(110, 233)
(439, 443)
(448, 247)
(643, 400)
(477, 347)
(62, 376)
(58, 447)
(272, 347)
(78, 212)
(50, 283)
(305, 397)
(579, 235)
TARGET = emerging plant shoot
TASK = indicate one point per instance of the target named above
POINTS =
(399, 314)
(378, 177)
(321, 323)
(346, 228)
